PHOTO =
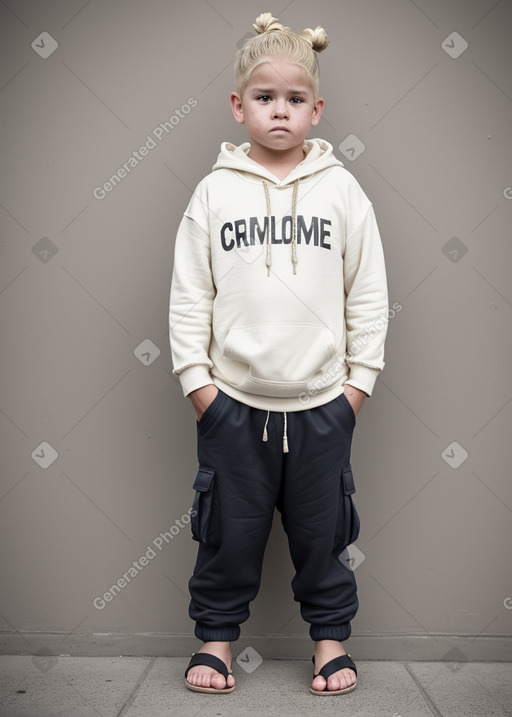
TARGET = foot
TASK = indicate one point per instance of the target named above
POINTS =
(203, 676)
(326, 650)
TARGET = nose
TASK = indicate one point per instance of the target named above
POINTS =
(280, 109)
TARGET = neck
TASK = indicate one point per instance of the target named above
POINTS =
(280, 163)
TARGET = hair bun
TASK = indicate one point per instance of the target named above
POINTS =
(266, 22)
(317, 38)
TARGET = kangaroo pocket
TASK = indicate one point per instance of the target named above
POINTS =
(286, 355)
(347, 528)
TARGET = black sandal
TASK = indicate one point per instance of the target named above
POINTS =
(338, 663)
(204, 658)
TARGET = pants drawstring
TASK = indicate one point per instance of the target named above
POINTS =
(285, 435)
(265, 434)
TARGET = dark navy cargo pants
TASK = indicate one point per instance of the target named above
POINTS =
(241, 480)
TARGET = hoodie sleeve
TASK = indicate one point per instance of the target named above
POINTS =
(366, 308)
(191, 300)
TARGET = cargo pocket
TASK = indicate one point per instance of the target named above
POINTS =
(347, 528)
(204, 517)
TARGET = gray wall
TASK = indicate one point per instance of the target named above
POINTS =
(84, 285)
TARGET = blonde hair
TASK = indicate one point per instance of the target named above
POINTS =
(274, 38)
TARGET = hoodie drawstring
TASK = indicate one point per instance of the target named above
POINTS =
(268, 258)
(285, 432)
(294, 228)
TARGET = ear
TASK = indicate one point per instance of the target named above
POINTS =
(317, 111)
(236, 107)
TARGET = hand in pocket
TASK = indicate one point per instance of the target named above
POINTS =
(202, 397)
(354, 396)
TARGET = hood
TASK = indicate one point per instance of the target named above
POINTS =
(319, 155)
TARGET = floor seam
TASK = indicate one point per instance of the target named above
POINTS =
(430, 702)
(133, 694)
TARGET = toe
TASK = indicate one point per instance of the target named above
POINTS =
(193, 677)
(347, 678)
(217, 681)
(207, 679)
(319, 683)
(342, 679)
(333, 683)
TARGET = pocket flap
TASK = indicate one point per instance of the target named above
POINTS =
(348, 481)
(204, 479)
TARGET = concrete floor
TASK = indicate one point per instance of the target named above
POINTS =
(50, 686)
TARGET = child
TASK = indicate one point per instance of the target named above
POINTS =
(278, 282)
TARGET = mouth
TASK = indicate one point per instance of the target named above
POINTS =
(279, 129)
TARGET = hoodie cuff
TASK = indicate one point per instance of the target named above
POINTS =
(362, 377)
(194, 377)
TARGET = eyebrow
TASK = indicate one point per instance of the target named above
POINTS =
(292, 91)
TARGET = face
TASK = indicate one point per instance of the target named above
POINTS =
(278, 105)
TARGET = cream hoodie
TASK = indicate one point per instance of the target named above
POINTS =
(279, 287)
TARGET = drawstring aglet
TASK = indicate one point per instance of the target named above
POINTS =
(285, 434)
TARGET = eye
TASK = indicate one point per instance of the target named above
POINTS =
(264, 98)
(296, 100)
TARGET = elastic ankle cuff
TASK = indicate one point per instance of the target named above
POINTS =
(330, 632)
(227, 633)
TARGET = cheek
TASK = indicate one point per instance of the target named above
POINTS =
(257, 118)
